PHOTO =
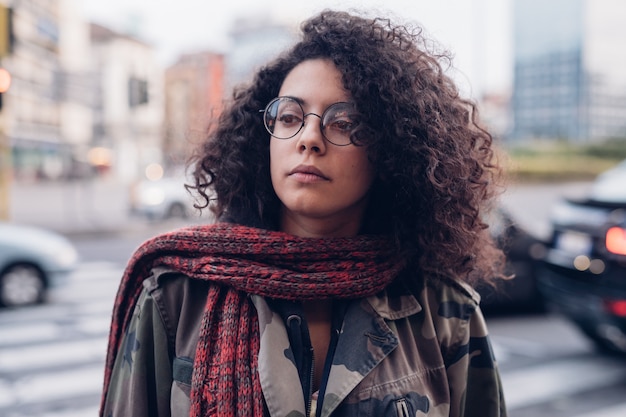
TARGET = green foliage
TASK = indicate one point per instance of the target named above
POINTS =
(611, 149)
(563, 161)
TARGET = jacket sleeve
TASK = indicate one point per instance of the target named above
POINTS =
(475, 377)
(141, 380)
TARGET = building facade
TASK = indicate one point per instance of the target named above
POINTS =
(197, 84)
(255, 41)
(570, 70)
(46, 113)
(128, 104)
(84, 100)
(193, 98)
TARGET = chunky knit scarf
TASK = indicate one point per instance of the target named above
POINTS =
(241, 261)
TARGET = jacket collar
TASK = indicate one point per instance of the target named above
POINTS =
(363, 344)
(395, 302)
(366, 340)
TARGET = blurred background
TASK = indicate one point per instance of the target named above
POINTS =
(101, 103)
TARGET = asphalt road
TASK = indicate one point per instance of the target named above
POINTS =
(52, 355)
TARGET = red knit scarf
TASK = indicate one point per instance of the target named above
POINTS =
(242, 261)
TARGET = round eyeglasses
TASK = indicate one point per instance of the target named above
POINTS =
(284, 118)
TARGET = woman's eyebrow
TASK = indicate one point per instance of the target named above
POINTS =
(303, 102)
(299, 100)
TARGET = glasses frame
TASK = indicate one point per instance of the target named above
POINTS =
(304, 115)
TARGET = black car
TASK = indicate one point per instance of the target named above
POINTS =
(583, 275)
(522, 251)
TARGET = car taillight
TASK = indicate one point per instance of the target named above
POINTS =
(616, 307)
(616, 240)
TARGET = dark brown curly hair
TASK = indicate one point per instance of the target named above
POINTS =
(436, 165)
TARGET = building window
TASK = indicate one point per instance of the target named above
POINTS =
(137, 92)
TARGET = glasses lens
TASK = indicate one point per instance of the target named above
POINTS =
(339, 122)
(283, 117)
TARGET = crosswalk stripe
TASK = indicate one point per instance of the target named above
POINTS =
(89, 290)
(50, 386)
(505, 348)
(616, 411)
(48, 312)
(83, 412)
(56, 354)
(90, 266)
(48, 332)
(29, 333)
(534, 385)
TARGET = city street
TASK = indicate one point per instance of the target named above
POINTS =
(101, 104)
(51, 356)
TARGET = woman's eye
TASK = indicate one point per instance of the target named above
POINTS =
(288, 118)
(344, 126)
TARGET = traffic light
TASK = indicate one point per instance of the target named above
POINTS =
(5, 83)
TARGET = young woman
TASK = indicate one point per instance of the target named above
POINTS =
(350, 181)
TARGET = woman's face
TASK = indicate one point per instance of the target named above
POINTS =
(323, 188)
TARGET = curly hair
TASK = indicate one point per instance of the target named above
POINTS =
(436, 169)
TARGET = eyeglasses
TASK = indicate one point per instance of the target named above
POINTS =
(340, 123)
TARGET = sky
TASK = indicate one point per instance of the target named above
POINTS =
(477, 32)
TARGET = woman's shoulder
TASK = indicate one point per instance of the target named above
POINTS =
(173, 286)
(451, 289)
(441, 288)
(179, 298)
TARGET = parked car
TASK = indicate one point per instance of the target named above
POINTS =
(522, 251)
(32, 260)
(162, 199)
(584, 272)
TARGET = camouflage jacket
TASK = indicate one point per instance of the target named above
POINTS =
(398, 353)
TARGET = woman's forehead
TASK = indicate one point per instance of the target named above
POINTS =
(316, 80)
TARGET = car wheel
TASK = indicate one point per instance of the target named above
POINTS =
(21, 284)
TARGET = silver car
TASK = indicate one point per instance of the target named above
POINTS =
(32, 260)
(162, 199)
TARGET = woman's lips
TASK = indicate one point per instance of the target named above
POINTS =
(307, 173)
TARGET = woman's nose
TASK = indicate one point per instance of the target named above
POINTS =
(311, 136)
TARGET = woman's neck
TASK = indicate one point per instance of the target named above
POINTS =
(319, 228)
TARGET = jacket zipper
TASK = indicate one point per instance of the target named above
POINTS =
(339, 310)
(310, 393)
(402, 408)
(298, 329)
(296, 321)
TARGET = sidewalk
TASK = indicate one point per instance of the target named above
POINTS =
(86, 206)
